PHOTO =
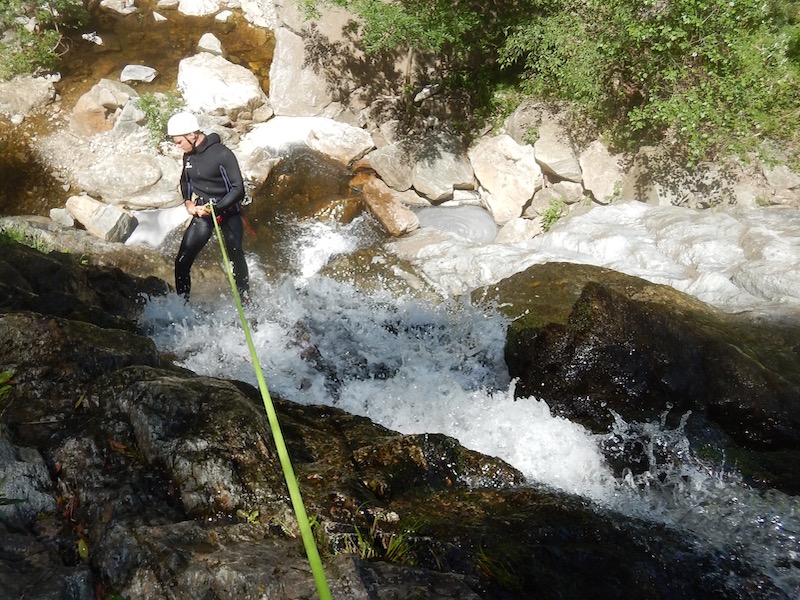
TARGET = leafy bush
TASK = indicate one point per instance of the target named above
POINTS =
(423, 24)
(158, 108)
(32, 40)
(715, 77)
(463, 37)
(553, 212)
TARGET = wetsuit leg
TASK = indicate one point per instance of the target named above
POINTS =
(194, 238)
(232, 231)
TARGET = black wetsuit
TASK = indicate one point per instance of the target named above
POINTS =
(211, 174)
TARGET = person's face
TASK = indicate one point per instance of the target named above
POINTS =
(185, 142)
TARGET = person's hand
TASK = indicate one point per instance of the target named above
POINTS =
(198, 211)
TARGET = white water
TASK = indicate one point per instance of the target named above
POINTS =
(415, 368)
(737, 260)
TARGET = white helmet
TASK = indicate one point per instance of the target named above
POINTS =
(182, 123)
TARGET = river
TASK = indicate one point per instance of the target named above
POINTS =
(419, 366)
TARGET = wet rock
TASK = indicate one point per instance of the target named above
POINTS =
(434, 461)
(56, 284)
(163, 484)
(384, 206)
(594, 343)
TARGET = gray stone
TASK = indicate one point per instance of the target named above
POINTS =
(97, 110)
(441, 167)
(211, 84)
(602, 172)
(508, 172)
(25, 95)
(105, 221)
(555, 153)
(138, 73)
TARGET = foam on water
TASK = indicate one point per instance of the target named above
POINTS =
(736, 260)
(153, 226)
(417, 368)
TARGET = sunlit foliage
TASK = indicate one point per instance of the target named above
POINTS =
(31, 33)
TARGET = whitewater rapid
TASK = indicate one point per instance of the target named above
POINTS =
(415, 367)
(743, 259)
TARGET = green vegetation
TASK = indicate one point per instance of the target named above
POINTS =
(158, 108)
(497, 569)
(435, 25)
(385, 538)
(27, 237)
(713, 78)
(553, 212)
(31, 37)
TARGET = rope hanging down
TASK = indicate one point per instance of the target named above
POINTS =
(288, 472)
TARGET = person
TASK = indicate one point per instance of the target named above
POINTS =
(211, 175)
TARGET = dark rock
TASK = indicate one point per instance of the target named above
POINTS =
(166, 485)
(592, 342)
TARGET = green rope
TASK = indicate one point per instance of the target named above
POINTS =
(288, 472)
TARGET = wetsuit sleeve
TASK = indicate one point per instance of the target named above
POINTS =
(185, 186)
(234, 182)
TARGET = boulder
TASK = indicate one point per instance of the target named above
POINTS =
(508, 172)
(138, 73)
(555, 154)
(122, 7)
(394, 163)
(210, 43)
(441, 167)
(25, 95)
(212, 84)
(307, 77)
(97, 110)
(278, 136)
(384, 204)
(659, 178)
(602, 171)
(198, 8)
(107, 222)
(133, 179)
(623, 346)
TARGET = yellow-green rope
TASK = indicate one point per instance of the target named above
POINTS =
(288, 472)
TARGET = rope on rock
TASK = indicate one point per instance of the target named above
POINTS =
(288, 472)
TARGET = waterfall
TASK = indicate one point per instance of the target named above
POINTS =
(416, 367)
